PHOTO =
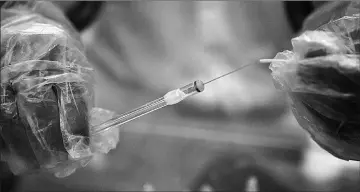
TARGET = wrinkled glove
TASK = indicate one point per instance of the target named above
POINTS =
(322, 77)
(46, 92)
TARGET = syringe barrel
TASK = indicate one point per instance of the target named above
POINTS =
(131, 115)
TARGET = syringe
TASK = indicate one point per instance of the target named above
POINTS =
(170, 98)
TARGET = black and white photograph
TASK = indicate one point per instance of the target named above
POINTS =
(180, 96)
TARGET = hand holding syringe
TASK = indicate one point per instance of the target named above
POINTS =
(170, 98)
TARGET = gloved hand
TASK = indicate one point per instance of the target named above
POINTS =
(46, 91)
(322, 78)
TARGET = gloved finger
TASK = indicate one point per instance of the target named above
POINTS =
(326, 13)
(46, 92)
(322, 77)
(324, 131)
(335, 94)
(46, 96)
(53, 12)
(50, 119)
(44, 8)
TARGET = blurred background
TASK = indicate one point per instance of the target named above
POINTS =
(239, 127)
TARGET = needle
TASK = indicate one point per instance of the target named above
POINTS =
(226, 74)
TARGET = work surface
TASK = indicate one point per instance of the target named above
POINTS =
(168, 160)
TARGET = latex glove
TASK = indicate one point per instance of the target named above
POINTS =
(46, 91)
(322, 77)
